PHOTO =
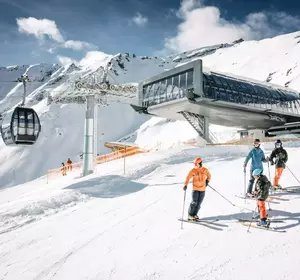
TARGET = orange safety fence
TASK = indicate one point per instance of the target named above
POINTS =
(243, 141)
(58, 171)
(118, 154)
(249, 141)
(130, 151)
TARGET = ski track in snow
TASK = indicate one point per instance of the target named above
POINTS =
(54, 269)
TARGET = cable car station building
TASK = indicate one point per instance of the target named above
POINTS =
(202, 97)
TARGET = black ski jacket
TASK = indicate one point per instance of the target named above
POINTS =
(262, 187)
(281, 157)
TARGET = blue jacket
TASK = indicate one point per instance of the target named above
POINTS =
(258, 157)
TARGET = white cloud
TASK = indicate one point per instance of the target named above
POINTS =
(140, 20)
(78, 45)
(45, 27)
(94, 57)
(64, 60)
(203, 26)
(91, 58)
(40, 28)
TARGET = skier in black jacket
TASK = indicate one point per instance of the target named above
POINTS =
(281, 157)
(261, 193)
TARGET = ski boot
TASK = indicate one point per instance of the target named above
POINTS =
(249, 195)
(193, 218)
(262, 223)
(255, 216)
(278, 187)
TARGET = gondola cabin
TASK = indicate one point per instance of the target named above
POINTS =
(20, 126)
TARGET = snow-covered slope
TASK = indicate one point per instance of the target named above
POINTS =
(11, 91)
(111, 226)
(274, 60)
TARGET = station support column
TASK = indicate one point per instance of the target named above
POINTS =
(88, 146)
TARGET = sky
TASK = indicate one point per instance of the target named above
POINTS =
(64, 31)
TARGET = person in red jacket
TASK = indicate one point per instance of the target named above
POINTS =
(201, 177)
(69, 163)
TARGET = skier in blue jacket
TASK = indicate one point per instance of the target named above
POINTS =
(258, 157)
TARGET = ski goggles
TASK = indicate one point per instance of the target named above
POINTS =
(277, 145)
(256, 144)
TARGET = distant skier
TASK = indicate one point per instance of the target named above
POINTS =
(201, 177)
(281, 158)
(261, 193)
(63, 169)
(258, 157)
(69, 163)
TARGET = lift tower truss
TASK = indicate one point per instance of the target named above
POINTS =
(93, 90)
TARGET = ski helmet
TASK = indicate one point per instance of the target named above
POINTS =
(256, 143)
(197, 161)
(278, 143)
(257, 172)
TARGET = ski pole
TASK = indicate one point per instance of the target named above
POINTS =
(269, 206)
(270, 178)
(252, 220)
(222, 195)
(183, 209)
(293, 174)
(245, 185)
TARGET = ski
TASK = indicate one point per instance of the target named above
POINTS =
(278, 198)
(257, 220)
(287, 190)
(253, 198)
(291, 188)
(206, 223)
(199, 221)
(247, 224)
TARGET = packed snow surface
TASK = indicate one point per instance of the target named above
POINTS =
(114, 226)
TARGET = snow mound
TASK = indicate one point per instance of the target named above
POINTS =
(19, 216)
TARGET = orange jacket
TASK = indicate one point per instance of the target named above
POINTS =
(69, 162)
(200, 175)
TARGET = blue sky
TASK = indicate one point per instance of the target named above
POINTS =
(34, 31)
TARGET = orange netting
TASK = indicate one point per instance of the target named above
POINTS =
(121, 153)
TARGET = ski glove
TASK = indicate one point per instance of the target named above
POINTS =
(184, 188)
(206, 182)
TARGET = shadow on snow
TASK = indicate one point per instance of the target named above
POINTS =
(107, 186)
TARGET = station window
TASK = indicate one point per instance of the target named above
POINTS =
(190, 79)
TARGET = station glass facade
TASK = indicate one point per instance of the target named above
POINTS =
(170, 88)
(219, 87)
(228, 89)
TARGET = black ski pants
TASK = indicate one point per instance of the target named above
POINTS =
(197, 198)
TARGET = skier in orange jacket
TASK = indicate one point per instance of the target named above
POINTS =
(201, 177)
(63, 169)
